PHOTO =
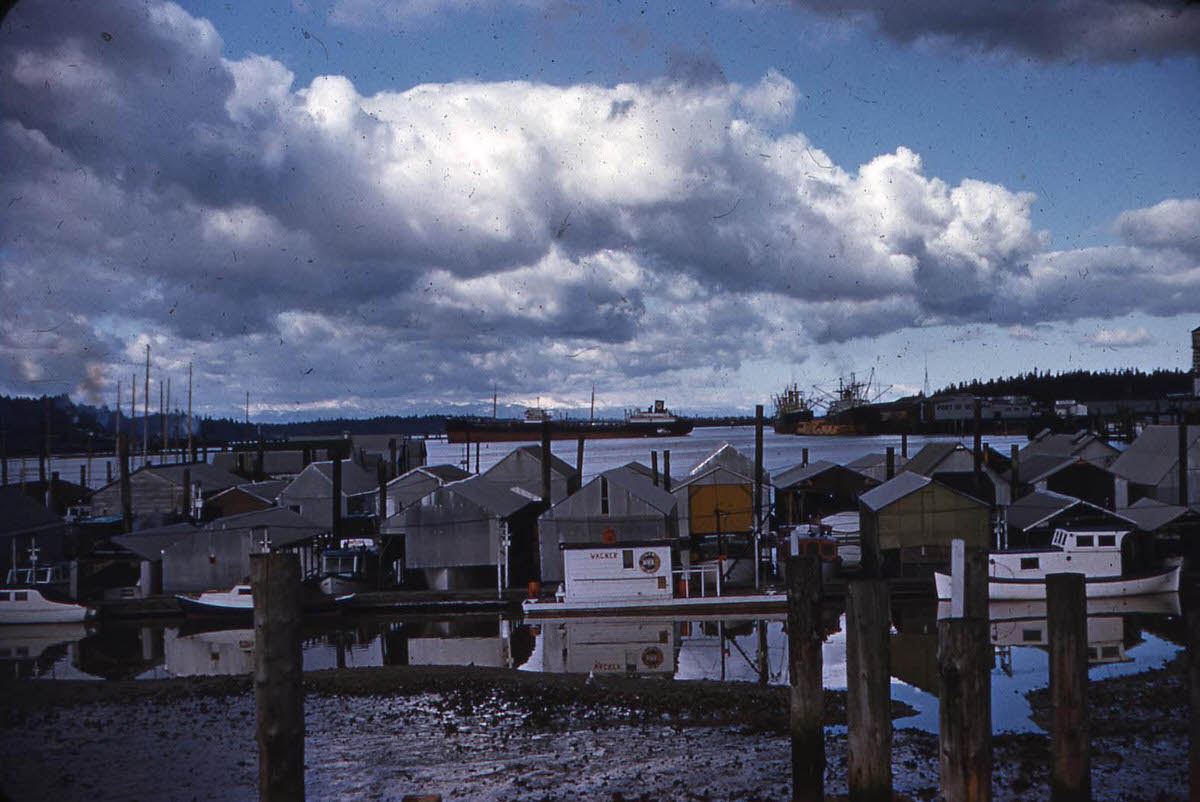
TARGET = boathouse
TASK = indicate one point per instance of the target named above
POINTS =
(874, 465)
(248, 497)
(473, 533)
(25, 523)
(717, 496)
(806, 492)
(522, 468)
(953, 464)
(160, 489)
(311, 493)
(411, 487)
(1033, 518)
(619, 506)
(1083, 445)
(907, 524)
(1151, 466)
(1071, 476)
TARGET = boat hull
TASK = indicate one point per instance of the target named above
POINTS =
(35, 609)
(201, 607)
(1000, 589)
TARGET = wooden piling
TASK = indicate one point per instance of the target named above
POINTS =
(667, 469)
(477, 456)
(904, 445)
(1066, 619)
(336, 509)
(44, 447)
(186, 506)
(1015, 458)
(278, 676)
(108, 472)
(381, 474)
(260, 460)
(1192, 621)
(868, 691)
(891, 462)
(52, 491)
(578, 458)
(978, 446)
(965, 709)
(126, 490)
(654, 466)
(804, 457)
(392, 457)
(4, 456)
(758, 480)
(546, 457)
(1183, 462)
(83, 476)
(807, 692)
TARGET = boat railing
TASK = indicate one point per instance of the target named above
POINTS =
(688, 580)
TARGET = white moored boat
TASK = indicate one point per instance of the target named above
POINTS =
(29, 606)
(1016, 575)
(239, 600)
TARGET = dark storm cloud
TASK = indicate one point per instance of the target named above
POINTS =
(1098, 30)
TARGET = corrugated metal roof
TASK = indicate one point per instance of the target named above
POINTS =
(925, 461)
(727, 457)
(20, 514)
(1151, 514)
(1062, 445)
(641, 487)
(149, 544)
(210, 477)
(444, 473)
(267, 491)
(1036, 467)
(893, 490)
(493, 497)
(1037, 507)
(355, 478)
(1153, 455)
(798, 473)
(557, 464)
(283, 525)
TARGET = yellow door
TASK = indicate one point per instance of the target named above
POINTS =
(721, 508)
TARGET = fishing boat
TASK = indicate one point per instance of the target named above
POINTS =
(25, 605)
(349, 570)
(1021, 574)
(238, 600)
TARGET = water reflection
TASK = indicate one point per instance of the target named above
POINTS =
(1125, 636)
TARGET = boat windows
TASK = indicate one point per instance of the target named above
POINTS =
(627, 558)
(1085, 541)
(245, 591)
(20, 595)
(1031, 635)
(1106, 540)
(1029, 563)
(4, 596)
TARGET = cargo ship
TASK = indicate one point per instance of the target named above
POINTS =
(655, 421)
(791, 409)
(848, 411)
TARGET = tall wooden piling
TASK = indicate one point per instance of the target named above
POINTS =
(546, 457)
(186, 506)
(804, 457)
(1066, 619)
(758, 474)
(126, 490)
(667, 469)
(1014, 457)
(904, 445)
(804, 665)
(83, 479)
(336, 509)
(868, 691)
(392, 467)
(278, 676)
(477, 456)
(965, 709)
(108, 472)
(190, 448)
(654, 466)
(578, 458)
(891, 462)
(1183, 463)
(1192, 621)
(381, 473)
(260, 459)
(3, 456)
(978, 446)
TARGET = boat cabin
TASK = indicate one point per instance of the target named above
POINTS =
(617, 572)
(1089, 552)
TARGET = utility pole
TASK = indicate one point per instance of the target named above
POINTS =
(133, 414)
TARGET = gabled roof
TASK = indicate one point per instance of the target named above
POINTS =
(1063, 445)
(283, 525)
(874, 465)
(492, 497)
(1153, 455)
(796, 474)
(1037, 467)
(557, 464)
(893, 490)
(925, 461)
(20, 514)
(728, 457)
(149, 544)
(445, 473)
(355, 478)
(267, 491)
(1040, 506)
(1151, 514)
(209, 476)
(640, 487)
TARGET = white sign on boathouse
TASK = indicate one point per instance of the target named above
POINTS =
(616, 572)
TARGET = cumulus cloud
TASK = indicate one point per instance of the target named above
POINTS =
(318, 244)
(1119, 338)
(1101, 30)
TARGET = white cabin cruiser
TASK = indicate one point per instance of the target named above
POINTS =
(1016, 575)
(238, 600)
(28, 606)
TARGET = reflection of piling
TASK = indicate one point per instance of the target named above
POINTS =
(868, 691)
(278, 676)
(1193, 676)
(804, 664)
(1066, 619)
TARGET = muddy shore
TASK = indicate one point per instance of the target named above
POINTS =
(501, 735)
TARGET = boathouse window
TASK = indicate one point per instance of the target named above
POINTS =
(662, 583)
(1031, 635)
(627, 558)
(1029, 563)
(1084, 540)
(604, 499)
(1106, 540)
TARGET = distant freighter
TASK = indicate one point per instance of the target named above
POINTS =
(656, 421)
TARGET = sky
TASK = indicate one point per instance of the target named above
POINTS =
(364, 207)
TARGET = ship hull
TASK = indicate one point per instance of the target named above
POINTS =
(519, 431)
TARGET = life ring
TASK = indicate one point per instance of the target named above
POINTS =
(649, 562)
